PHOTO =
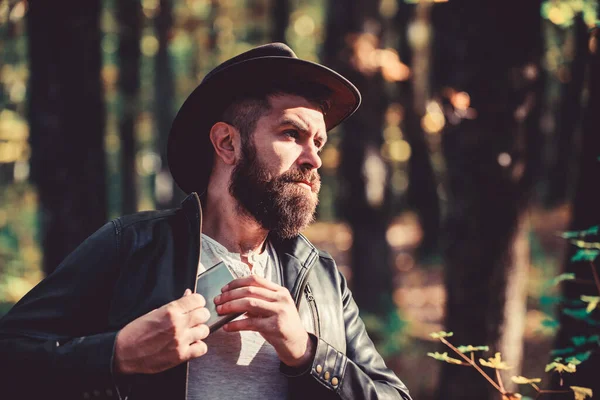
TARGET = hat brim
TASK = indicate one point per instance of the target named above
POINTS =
(189, 150)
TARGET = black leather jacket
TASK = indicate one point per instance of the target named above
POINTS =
(57, 342)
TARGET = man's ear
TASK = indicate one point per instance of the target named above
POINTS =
(224, 138)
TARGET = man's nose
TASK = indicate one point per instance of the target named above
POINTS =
(310, 157)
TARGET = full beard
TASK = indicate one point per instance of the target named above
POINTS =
(278, 203)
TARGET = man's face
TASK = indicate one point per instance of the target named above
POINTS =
(275, 180)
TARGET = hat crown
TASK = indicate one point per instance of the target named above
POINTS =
(267, 50)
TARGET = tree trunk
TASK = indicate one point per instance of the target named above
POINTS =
(421, 193)
(365, 199)
(586, 213)
(560, 173)
(66, 114)
(129, 15)
(280, 19)
(168, 194)
(488, 176)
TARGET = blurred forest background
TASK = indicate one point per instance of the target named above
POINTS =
(444, 197)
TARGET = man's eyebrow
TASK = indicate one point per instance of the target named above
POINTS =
(302, 127)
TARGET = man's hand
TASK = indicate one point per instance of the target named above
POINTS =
(164, 337)
(270, 311)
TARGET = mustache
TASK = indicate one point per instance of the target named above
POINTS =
(299, 175)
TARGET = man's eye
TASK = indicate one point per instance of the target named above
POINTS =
(291, 133)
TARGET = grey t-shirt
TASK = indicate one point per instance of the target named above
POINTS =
(238, 365)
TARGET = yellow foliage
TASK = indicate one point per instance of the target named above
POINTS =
(560, 368)
(444, 357)
(581, 393)
(441, 334)
(494, 362)
(521, 380)
(593, 302)
(471, 349)
(585, 245)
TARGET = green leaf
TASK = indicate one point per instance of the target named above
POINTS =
(550, 323)
(585, 255)
(563, 277)
(470, 349)
(582, 315)
(581, 340)
(562, 352)
(547, 300)
(577, 313)
(594, 230)
(579, 358)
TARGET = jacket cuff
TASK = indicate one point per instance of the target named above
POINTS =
(121, 383)
(294, 372)
(327, 367)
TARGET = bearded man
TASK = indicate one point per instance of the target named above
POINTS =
(120, 316)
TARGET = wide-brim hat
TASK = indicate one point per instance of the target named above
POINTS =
(189, 149)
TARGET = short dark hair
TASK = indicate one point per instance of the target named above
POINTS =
(245, 112)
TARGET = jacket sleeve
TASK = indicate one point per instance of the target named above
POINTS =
(50, 345)
(359, 373)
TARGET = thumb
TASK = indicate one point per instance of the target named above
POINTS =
(187, 292)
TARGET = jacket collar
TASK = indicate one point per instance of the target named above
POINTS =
(296, 255)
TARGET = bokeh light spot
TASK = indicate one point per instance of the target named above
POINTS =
(149, 45)
(504, 159)
(304, 25)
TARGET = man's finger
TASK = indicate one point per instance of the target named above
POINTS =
(251, 280)
(189, 302)
(247, 291)
(197, 333)
(197, 349)
(250, 305)
(255, 324)
(198, 316)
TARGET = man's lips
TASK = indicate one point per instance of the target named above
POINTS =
(306, 182)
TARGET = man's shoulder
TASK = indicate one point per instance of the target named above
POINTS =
(324, 267)
(322, 253)
(303, 243)
(146, 218)
(149, 229)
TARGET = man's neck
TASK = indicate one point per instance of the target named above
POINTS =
(238, 233)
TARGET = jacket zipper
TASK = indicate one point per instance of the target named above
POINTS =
(303, 278)
(312, 304)
(305, 288)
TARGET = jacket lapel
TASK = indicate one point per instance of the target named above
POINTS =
(296, 257)
(193, 212)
